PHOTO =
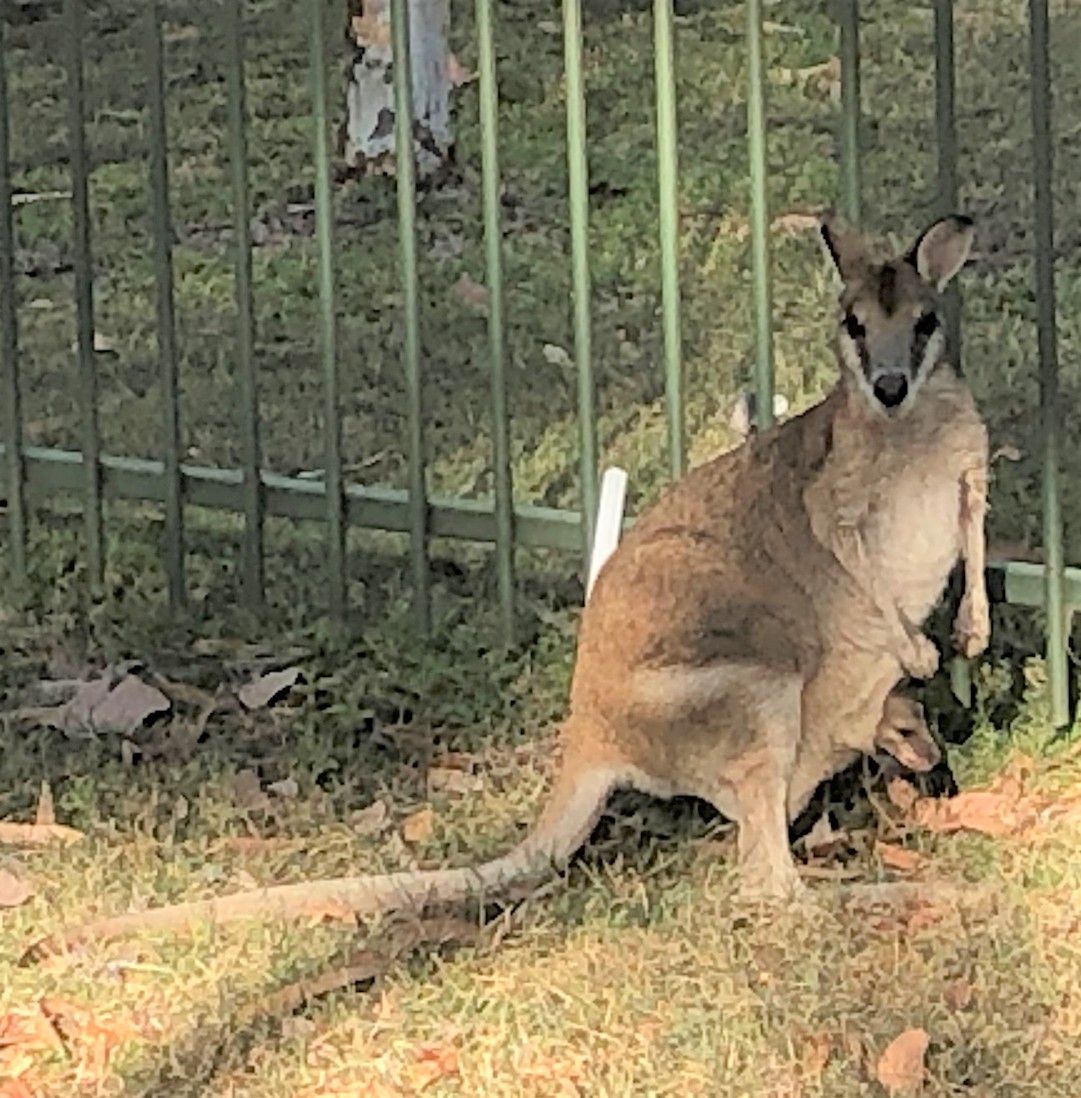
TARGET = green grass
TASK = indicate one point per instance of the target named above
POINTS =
(633, 976)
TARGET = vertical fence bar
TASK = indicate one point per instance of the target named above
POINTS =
(851, 187)
(407, 231)
(493, 240)
(946, 203)
(253, 560)
(166, 314)
(667, 182)
(946, 139)
(578, 184)
(756, 135)
(9, 341)
(328, 324)
(74, 31)
(1057, 663)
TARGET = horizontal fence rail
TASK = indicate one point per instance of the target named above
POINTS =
(34, 474)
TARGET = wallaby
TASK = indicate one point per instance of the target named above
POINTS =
(903, 734)
(743, 641)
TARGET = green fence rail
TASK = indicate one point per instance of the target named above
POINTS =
(32, 474)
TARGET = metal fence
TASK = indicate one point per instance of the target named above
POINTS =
(34, 472)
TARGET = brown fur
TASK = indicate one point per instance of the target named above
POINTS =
(743, 642)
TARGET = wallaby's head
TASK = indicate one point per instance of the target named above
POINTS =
(910, 742)
(891, 335)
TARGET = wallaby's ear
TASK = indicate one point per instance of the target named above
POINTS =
(942, 249)
(845, 246)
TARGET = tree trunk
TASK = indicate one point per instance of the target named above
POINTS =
(369, 125)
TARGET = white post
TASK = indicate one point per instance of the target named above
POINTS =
(609, 521)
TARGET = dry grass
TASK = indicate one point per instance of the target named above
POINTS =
(638, 975)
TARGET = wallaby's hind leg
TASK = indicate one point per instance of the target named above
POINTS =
(754, 786)
(733, 732)
(766, 868)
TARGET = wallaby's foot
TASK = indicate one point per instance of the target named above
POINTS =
(972, 629)
(921, 658)
(771, 886)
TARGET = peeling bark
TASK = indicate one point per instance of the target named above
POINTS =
(368, 137)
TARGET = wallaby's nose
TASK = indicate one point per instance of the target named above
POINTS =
(891, 389)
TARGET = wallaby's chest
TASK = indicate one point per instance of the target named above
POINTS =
(911, 524)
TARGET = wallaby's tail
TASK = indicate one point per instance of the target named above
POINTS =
(575, 805)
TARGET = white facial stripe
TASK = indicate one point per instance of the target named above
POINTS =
(853, 362)
(932, 352)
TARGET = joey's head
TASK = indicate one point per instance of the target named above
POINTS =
(909, 741)
(891, 336)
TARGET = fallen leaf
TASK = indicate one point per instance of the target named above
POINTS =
(901, 794)
(769, 27)
(248, 844)
(433, 1062)
(93, 1036)
(816, 1053)
(957, 994)
(14, 1087)
(457, 760)
(248, 790)
(899, 858)
(794, 223)
(28, 1029)
(984, 811)
(417, 828)
(445, 779)
(22, 834)
(824, 78)
(900, 1068)
(14, 891)
(924, 914)
(555, 355)
(13, 1063)
(261, 691)
(287, 788)
(75, 714)
(371, 820)
(472, 293)
(96, 705)
(102, 343)
(46, 811)
(1010, 453)
(127, 706)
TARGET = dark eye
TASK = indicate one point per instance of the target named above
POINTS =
(927, 323)
(854, 328)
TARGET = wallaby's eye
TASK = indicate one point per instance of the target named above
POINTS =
(854, 328)
(927, 323)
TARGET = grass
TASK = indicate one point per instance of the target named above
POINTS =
(636, 975)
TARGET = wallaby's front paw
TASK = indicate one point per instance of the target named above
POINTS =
(972, 629)
(921, 659)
